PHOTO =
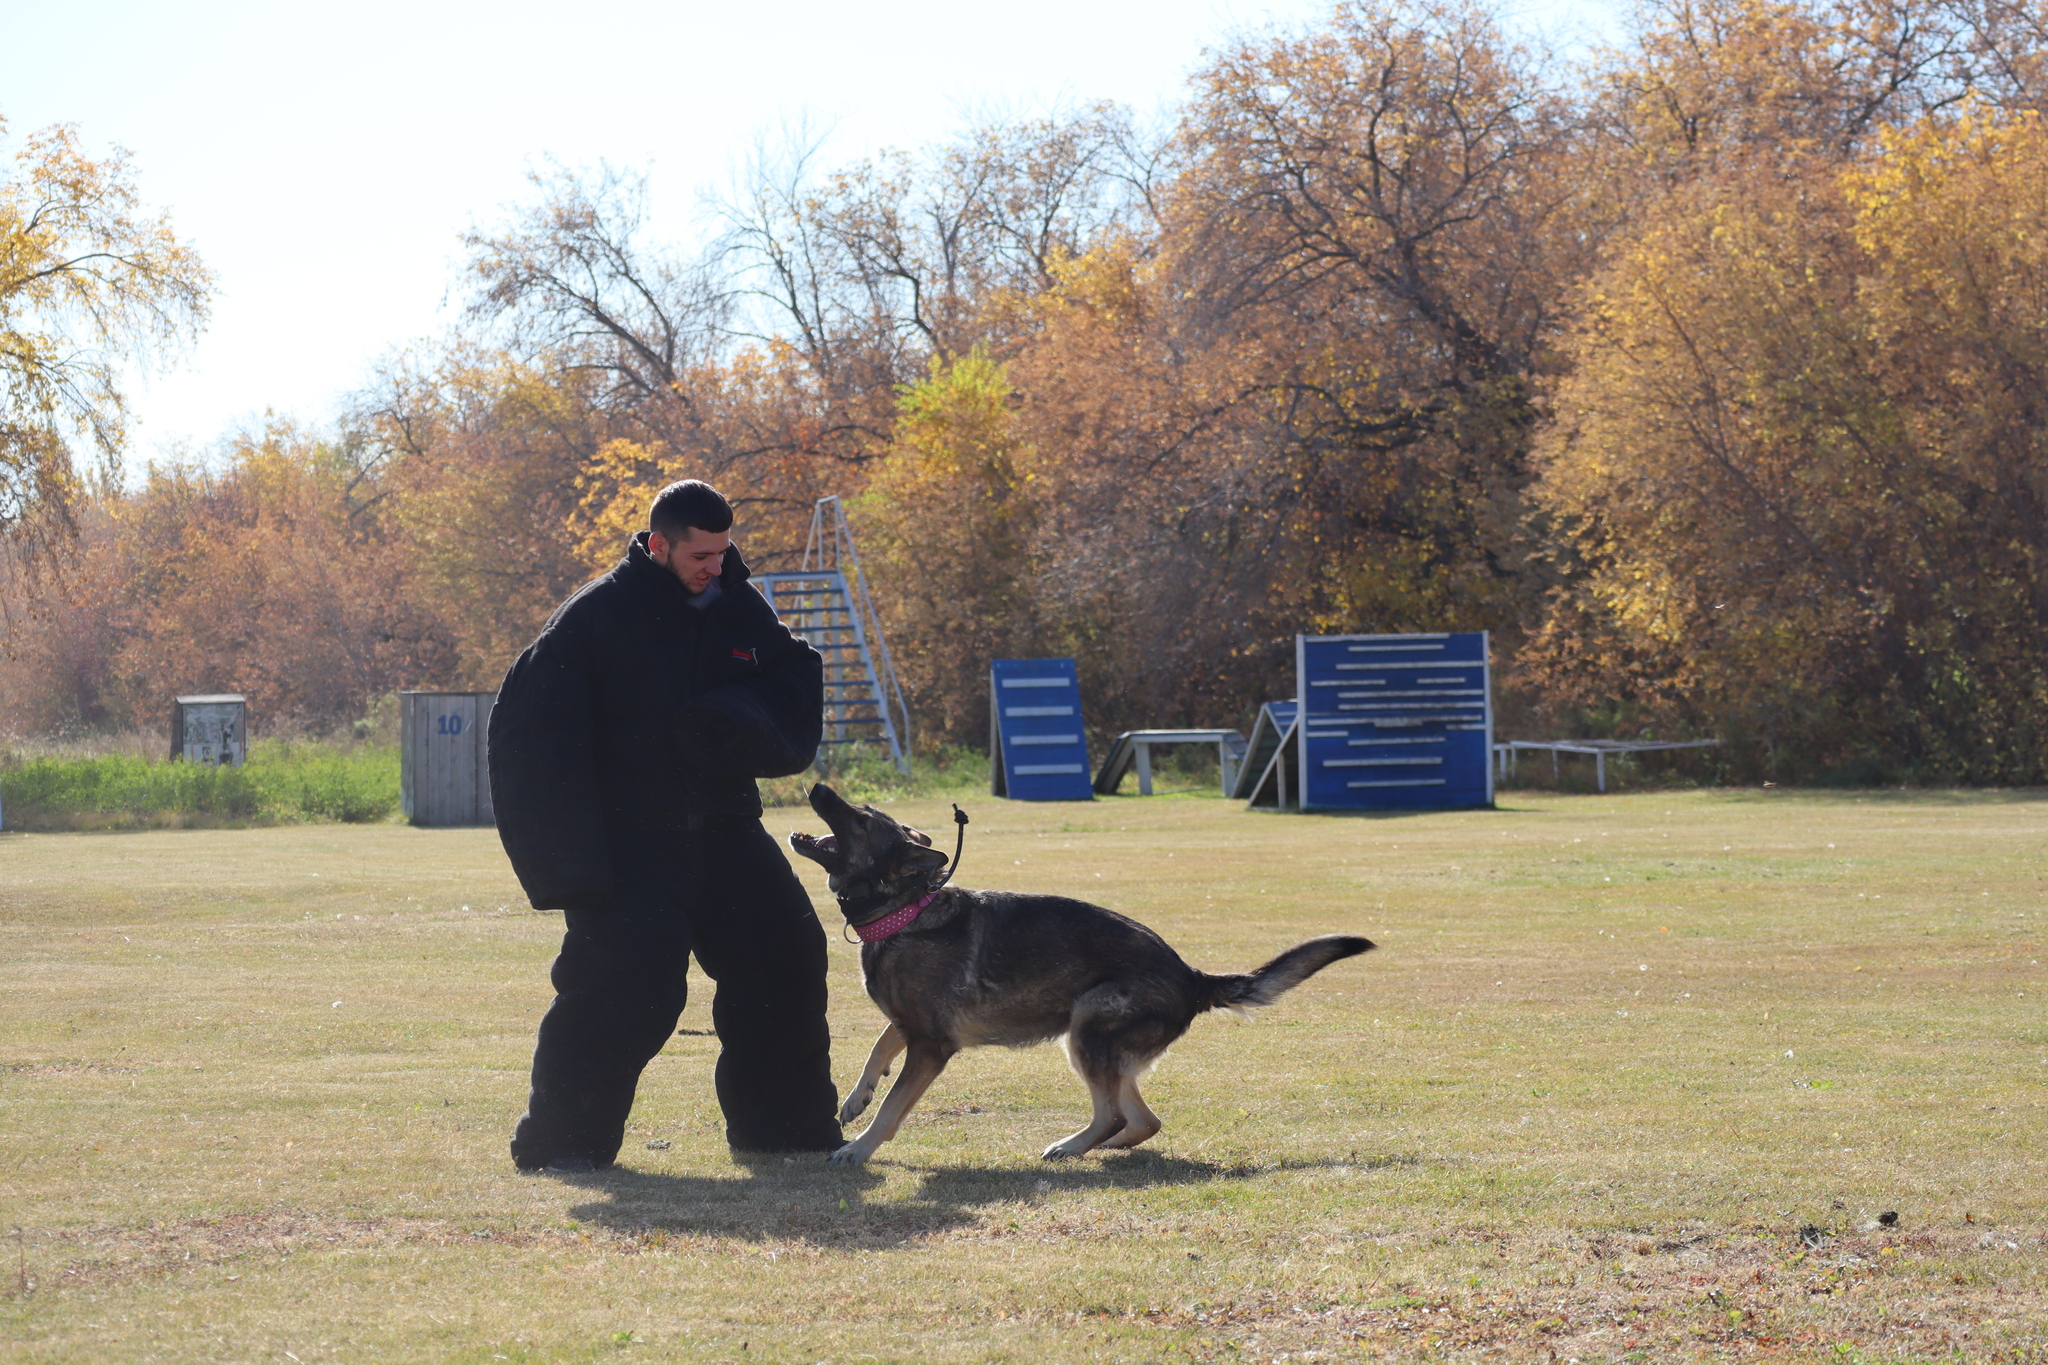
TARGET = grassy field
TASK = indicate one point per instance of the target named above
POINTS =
(1614, 1057)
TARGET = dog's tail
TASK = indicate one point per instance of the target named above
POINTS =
(1244, 990)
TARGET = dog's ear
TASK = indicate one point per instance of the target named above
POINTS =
(916, 836)
(912, 858)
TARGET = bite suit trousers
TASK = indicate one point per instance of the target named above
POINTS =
(724, 891)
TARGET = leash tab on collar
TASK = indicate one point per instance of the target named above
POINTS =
(959, 843)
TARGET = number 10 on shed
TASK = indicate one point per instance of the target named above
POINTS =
(444, 779)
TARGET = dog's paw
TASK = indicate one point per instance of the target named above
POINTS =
(1128, 1136)
(855, 1106)
(1061, 1151)
(849, 1155)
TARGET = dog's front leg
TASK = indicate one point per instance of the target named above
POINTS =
(921, 1067)
(887, 1049)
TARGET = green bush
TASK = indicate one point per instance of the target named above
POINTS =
(282, 783)
(297, 782)
(863, 772)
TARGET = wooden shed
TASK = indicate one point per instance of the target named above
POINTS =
(443, 775)
(211, 729)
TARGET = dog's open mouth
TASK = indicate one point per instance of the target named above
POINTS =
(825, 850)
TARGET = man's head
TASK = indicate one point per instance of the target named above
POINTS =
(688, 531)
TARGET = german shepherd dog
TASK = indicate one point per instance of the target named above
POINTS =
(952, 969)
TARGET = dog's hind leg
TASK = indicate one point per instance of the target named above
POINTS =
(1107, 1119)
(922, 1065)
(1140, 1123)
(887, 1049)
(1092, 1050)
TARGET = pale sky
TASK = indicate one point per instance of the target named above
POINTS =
(325, 159)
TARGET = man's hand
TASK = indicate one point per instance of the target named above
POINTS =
(731, 732)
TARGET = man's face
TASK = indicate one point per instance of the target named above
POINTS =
(695, 558)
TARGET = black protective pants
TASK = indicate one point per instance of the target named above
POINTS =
(727, 893)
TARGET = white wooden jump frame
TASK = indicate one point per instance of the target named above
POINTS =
(1133, 748)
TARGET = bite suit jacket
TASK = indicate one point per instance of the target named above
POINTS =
(636, 710)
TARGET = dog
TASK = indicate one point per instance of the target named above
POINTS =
(953, 969)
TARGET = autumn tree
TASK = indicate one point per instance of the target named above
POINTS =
(1301, 396)
(480, 458)
(1801, 457)
(90, 282)
(778, 373)
(64, 633)
(952, 527)
(277, 571)
(902, 255)
(1707, 82)
(572, 276)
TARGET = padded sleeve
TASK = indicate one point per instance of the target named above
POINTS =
(766, 725)
(544, 779)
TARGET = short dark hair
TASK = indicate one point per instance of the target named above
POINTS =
(687, 505)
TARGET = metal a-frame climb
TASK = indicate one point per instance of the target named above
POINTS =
(827, 602)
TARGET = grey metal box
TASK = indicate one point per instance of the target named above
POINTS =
(211, 729)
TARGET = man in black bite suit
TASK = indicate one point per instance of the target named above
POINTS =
(623, 751)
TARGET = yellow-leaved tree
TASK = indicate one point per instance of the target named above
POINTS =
(483, 456)
(949, 527)
(90, 282)
(1802, 462)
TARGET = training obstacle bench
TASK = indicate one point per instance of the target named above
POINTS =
(1133, 748)
(1507, 753)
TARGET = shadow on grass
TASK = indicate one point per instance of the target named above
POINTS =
(807, 1200)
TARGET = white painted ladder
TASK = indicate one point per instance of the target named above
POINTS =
(827, 602)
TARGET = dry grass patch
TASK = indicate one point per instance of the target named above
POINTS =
(1631, 1078)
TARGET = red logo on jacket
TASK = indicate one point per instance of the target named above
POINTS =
(745, 655)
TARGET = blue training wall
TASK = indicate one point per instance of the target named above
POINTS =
(1394, 722)
(1041, 748)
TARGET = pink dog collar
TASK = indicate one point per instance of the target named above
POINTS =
(895, 922)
